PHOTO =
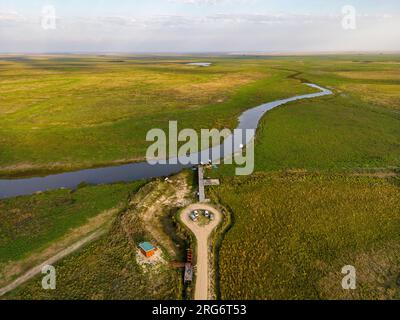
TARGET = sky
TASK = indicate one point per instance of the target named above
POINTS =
(195, 26)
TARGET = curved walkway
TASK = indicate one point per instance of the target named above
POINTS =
(202, 234)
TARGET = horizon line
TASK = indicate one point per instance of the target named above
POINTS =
(209, 53)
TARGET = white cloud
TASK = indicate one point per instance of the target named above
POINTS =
(212, 2)
(11, 16)
(214, 32)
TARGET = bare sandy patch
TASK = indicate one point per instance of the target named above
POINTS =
(154, 260)
(159, 197)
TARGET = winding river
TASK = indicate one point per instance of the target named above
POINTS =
(249, 119)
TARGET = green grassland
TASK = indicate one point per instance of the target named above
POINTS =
(293, 233)
(66, 113)
(350, 130)
(335, 133)
(34, 228)
(105, 269)
(108, 268)
(31, 222)
(325, 192)
(63, 114)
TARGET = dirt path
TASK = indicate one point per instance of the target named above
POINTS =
(158, 196)
(202, 234)
(38, 269)
(15, 269)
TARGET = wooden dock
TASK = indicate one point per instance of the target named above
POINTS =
(202, 193)
(203, 183)
(189, 267)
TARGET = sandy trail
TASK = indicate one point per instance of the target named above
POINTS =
(202, 234)
(38, 269)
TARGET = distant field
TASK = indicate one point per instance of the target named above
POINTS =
(66, 113)
(336, 133)
(293, 233)
(372, 79)
(356, 128)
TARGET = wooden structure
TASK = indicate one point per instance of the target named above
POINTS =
(202, 193)
(147, 249)
(189, 267)
(189, 256)
(203, 183)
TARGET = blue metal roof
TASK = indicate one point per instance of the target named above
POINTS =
(146, 246)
